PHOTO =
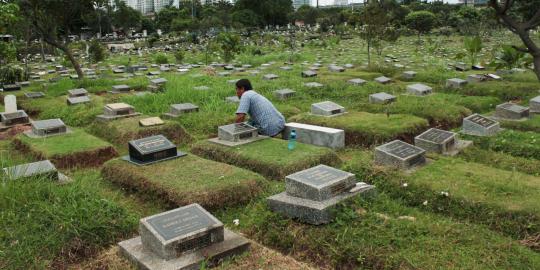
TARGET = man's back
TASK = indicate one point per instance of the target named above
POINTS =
(262, 112)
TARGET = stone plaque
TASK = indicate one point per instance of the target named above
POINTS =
(152, 149)
(14, 118)
(511, 111)
(419, 89)
(319, 183)
(381, 98)
(43, 169)
(436, 140)
(283, 94)
(48, 127)
(480, 126)
(77, 92)
(237, 132)
(77, 100)
(327, 108)
(399, 154)
(481, 120)
(33, 95)
(178, 223)
(10, 104)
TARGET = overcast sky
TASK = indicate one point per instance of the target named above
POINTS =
(329, 2)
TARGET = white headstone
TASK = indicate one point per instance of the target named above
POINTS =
(10, 102)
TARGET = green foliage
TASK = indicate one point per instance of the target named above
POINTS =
(230, 45)
(96, 51)
(10, 74)
(161, 58)
(179, 55)
(8, 52)
(421, 21)
(473, 46)
(516, 143)
(152, 39)
(508, 57)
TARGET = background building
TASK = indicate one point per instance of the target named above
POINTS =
(299, 3)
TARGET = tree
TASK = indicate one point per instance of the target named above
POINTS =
(473, 46)
(376, 21)
(230, 45)
(520, 17)
(308, 14)
(96, 51)
(421, 21)
(55, 20)
(272, 12)
(125, 17)
(8, 17)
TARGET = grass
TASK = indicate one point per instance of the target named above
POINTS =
(187, 180)
(516, 143)
(532, 124)
(365, 129)
(269, 157)
(502, 160)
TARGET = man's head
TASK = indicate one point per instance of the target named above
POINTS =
(243, 86)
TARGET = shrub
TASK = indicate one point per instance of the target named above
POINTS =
(179, 55)
(161, 59)
(96, 51)
(11, 74)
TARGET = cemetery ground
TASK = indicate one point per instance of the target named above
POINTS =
(479, 209)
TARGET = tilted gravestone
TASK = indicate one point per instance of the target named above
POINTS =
(179, 109)
(534, 105)
(327, 108)
(383, 80)
(511, 111)
(77, 92)
(270, 77)
(237, 134)
(400, 155)
(117, 110)
(456, 83)
(437, 141)
(381, 98)
(152, 149)
(33, 95)
(10, 104)
(46, 128)
(479, 125)
(309, 74)
(419, 89)
(182, 239)
(71, 101)
(283, 94)
(40, 170)
(312, 194)
(357, 81)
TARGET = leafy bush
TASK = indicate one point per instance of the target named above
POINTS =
(179, 55)
(161, 59)
(11, 74)
(230, 45)
(96, 51)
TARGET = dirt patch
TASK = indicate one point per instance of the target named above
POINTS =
(12, 132)
(83, 159)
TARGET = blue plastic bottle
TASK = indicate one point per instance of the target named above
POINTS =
(292, 140)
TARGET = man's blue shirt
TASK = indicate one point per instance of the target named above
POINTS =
(263, 114)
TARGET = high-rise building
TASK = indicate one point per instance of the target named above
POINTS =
(299, 3)
(341, 2)
(147, 6)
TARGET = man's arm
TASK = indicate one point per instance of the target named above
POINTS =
(240, 117)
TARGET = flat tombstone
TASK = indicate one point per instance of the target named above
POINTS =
(456, 83)
(327, 108)
(357, 81)
(159, 81)
(42, 169)
(10, 103)
(319, 183)
(437, 141)
(174, 233)
(270, 77)
(150, 122)
(14, 118)
(77, 92)
(33, 95)
(11, 87)
(71, 101)
(232, 99)
(399, 154)
(409, 75)
(316, 135)
(151, 150)
(480, 126)
(118, 109)
(178, 109)
(313, 85)
(534, 105)
(120, 88)
(334, 68)
(511, 111)
(419, 89)
(475, 78)
(309, 74)
(48, 127)
(286, 68)
(381, 98)
(383, 80)
(237, 132)
(283, 94)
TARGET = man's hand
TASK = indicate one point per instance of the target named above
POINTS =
(240, 117)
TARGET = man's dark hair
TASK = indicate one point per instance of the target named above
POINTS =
(244, 83)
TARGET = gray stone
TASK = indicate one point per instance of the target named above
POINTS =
(534, 105)
(381, 98)
(309, 74)
(419, 89)
(201, 88)
(437, 141)
(319, 183)
(327, 108)
(46, 128)
(77, 92)
(14, 118)
(409, 75)
(159, 81)
(11, 87)
(152, 149)
(283, 94)
(232, 99)
(357, 81)
(116, 111)
(41, 169)
(120, 88)
(316, 135)
(476, 78)
(383, 80)
(270, 77)
(237, 132)
(313, 85)
(71, 101)
(511, 111)
(10, 104)
(334, 68)
(24, 84)
(33, 95)
(286, 68)
(479, 125)
(400, 155)
(456, 83)
(224, 74)
(179, 109)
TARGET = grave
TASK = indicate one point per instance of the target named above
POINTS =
(151, 150)
(357, 81)
(270, 77)
(12, 116)
(534, 105)
(510, 111)
(286, 68)
(77, 92)
(383, 80)
(151, 121)
(120, 89)
(232, 99)
(327, 108)
(116, 111)
(157, 84)
(179, 109)
(399, 154)
(408, 75)
(313, 85)
(47, 128)
(419, 89)
(316, 135)
(33, 95)
(476, 78)
(283, 94)
(71, 101)
(456, 83)
(237, 134)
(381, 98)
(11, 87)
(479, 125)
(440, 142)
(201, 88)
(182, 239)
(334, 68)
(311, 195)
(41, 169)
(309, 74)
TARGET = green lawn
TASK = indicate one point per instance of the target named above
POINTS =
(513, 142)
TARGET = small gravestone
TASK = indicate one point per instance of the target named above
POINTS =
(71, 101)
(120, 89)
(182, 239)
(383, 80)
(270, 77)
(152, 149)
(479, 125)
(159, 82)
(456, 83)
(419, 89)
(381, 98)
(237, 134)
(11, 87)
(179, 109)
(116, 111)
(309, 74)
(24, 84)
(14, 118)
(440, 142)
(283, 94)
(201, 88)
(327, 108)
(224, 74)
(408, 75)
(37, 170)
(493, 76)
(509, 111)
(460, 66)
(534, 105)
(47, 128)
(316, 135)
(400, 155)
(232, 99)
(10, 104)
(154, 73)
(478, 67)
(349, 66)
(357, 81)
(334, 68)
(150, 122)
(311, 195)
(313, 85)
(34, 95)
(476, 78)
(77, 92)
(286, 68)
(232, 81)
(228, 67)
